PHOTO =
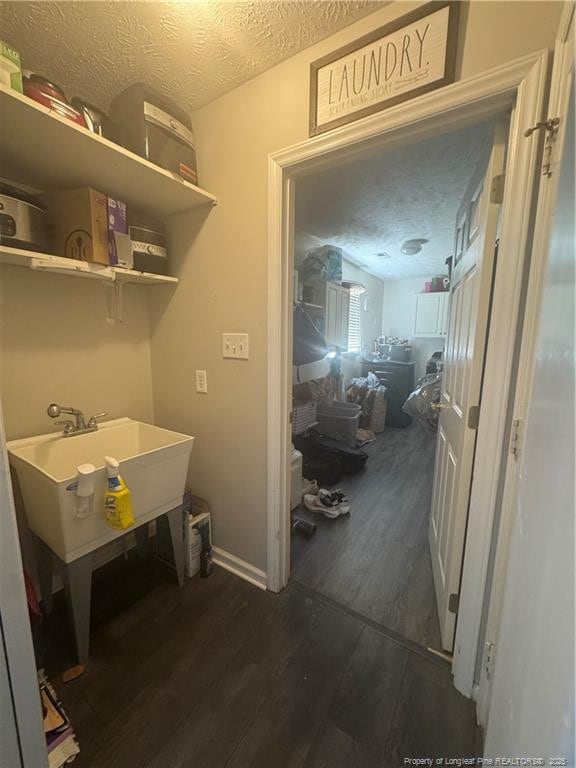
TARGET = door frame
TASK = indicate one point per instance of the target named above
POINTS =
(519, 86)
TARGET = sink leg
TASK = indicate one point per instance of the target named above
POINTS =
(142, 540)
(177, 537)
(78, 591)
(45, 565)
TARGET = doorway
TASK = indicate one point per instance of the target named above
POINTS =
(516, 89)
(384, 233)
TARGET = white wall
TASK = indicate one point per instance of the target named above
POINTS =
(532, 702)
(56, 346)
(224, 276)
(398, 315)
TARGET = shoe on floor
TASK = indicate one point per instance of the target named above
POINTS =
(313, 503)
(335, 498)
(309, 486)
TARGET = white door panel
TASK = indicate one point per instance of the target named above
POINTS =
(475, 239)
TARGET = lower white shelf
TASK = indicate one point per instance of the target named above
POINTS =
(47, 262)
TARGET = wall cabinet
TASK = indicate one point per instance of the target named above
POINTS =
(431, 316)
(337, 310)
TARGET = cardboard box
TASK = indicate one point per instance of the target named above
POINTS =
(10, 70)
(79, 224)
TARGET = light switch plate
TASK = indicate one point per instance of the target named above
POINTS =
(201, 381)
(235, 345)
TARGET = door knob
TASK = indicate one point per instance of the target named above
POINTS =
(438, 406)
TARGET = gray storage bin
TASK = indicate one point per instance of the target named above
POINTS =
(339, 420)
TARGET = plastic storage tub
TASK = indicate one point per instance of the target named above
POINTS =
(339, 420)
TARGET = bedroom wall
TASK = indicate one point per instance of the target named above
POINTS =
(224, 285)
(398, 314)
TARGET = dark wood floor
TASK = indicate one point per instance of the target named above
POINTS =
(221, 674)
(376, 562)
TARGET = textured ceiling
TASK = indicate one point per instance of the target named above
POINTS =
(372, 206)
(191, 51)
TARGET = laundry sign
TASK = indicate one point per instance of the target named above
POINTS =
(402, 60)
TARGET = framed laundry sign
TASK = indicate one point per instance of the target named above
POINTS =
(404, 59)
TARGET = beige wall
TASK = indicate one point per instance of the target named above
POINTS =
(56, 346)
(224, 272)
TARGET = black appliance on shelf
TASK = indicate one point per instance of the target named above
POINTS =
(399, 378)
(157, 129)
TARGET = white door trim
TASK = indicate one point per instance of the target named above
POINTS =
(519, 85)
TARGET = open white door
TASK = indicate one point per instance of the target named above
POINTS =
(476, 227)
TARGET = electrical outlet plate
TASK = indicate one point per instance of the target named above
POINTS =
(201, 381)
(235, 345)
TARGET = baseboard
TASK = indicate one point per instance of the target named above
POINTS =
(239, 567)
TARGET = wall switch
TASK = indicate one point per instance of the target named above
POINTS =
(235, 345)
(201, 381)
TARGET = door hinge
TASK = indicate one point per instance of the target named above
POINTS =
(515, 438)
(474, 416)
(291, 417)
(453, 603)
(551, 127)
(489, 657)
(497, 189)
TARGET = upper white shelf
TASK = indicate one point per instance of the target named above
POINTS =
(47, 262)
(40, 148)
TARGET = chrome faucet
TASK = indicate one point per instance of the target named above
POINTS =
(77, 427)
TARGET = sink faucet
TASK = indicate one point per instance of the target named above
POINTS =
(77, 427)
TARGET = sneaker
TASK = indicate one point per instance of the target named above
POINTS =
(309, 486)
(335, 498)
(314, 504)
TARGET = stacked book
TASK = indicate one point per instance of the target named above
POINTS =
(60, 737)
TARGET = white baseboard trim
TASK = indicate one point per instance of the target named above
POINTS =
(239, 567)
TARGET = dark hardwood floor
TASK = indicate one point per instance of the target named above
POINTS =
(376, 562)
(223, 675)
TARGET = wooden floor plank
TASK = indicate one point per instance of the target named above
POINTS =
(432, 719)
(376, 561)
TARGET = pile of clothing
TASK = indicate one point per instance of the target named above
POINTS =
(370, 395)
(422, 401)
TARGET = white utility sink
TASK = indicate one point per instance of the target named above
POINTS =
(153, 462)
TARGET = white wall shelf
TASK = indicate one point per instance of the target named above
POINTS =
(42, 149)
(47, 262)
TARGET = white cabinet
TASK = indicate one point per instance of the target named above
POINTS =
(432, 312)
(337, 309)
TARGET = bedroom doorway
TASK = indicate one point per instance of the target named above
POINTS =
(382, 346)
(515, 89)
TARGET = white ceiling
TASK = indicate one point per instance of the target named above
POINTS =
(373, 205)
(191, 51)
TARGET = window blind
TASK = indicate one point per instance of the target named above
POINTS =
(354, 335)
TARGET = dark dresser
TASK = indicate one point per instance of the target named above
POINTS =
(399, 380)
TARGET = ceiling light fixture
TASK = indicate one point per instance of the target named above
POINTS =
(411, 247)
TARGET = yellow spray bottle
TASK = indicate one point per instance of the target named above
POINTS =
(117, 497)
